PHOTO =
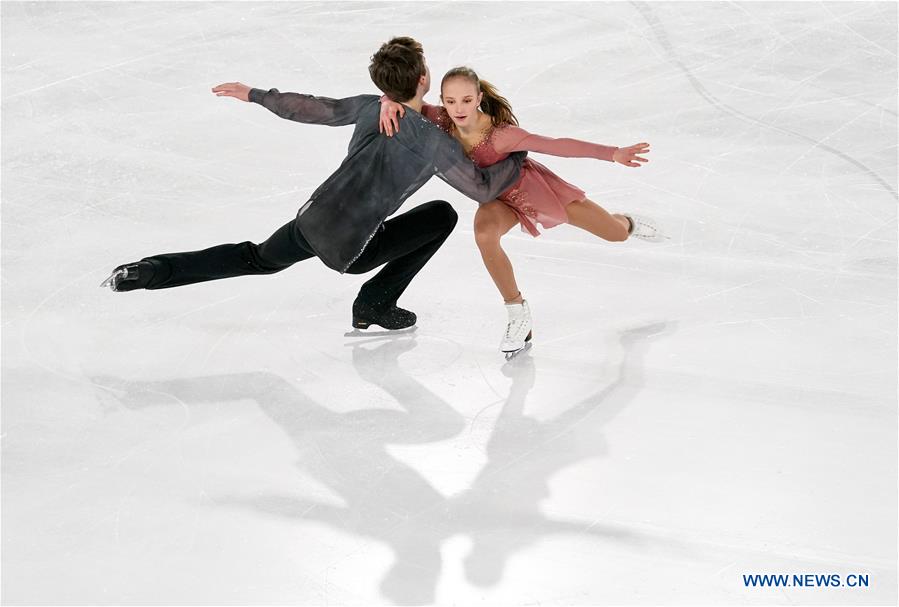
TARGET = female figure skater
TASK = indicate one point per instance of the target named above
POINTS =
(482, 121)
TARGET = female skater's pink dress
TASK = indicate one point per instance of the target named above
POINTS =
(539, 196)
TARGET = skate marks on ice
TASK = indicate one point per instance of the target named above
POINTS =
(661, 35)
(392, 503)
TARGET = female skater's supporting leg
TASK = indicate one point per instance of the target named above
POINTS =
(491, 221)
(587, 215)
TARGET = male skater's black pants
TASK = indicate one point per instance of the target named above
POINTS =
(405, 243)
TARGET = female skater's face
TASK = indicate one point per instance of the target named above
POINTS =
(461, 99)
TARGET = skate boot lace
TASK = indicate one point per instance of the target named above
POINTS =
(646, 229)
(514, 325)
(511, 328)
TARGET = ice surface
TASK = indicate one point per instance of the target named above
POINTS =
(719, 405)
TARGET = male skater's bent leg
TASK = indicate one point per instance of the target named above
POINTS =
(406, 243)
(281, 250)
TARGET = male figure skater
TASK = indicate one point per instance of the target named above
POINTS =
(343, 223)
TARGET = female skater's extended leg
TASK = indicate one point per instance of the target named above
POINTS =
(491, 221)
(587, 215)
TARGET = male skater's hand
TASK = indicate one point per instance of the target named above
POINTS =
(628, 156)
(233, 89)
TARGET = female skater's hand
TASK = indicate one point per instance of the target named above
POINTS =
(389, 121)
(233, 89)
(628, 156)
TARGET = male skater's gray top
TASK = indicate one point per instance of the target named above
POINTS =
(379, 172)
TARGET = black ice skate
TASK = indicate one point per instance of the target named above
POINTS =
(130, 276)
(392, 318)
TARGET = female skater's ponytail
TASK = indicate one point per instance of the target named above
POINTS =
(496, 106)
(493, 104)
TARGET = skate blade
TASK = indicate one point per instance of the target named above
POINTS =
(110, 280)
(514, 353)
(382, 333)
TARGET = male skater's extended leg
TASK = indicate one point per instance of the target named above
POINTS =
(406, 243)
(282, 249)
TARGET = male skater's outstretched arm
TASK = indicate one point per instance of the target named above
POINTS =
(302, 108)
(449, 160)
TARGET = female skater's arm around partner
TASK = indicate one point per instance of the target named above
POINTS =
(391, 112)
(297, 106)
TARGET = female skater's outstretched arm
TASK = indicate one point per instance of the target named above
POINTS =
(297, 106)
(515, 139)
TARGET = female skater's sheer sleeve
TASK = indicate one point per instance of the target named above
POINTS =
(311, 109)
(436, 114)
(512, 139)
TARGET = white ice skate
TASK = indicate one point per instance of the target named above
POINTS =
(646, 229)
(518, 330)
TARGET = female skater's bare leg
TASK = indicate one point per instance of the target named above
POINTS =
(491, 221)
(587, 215)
